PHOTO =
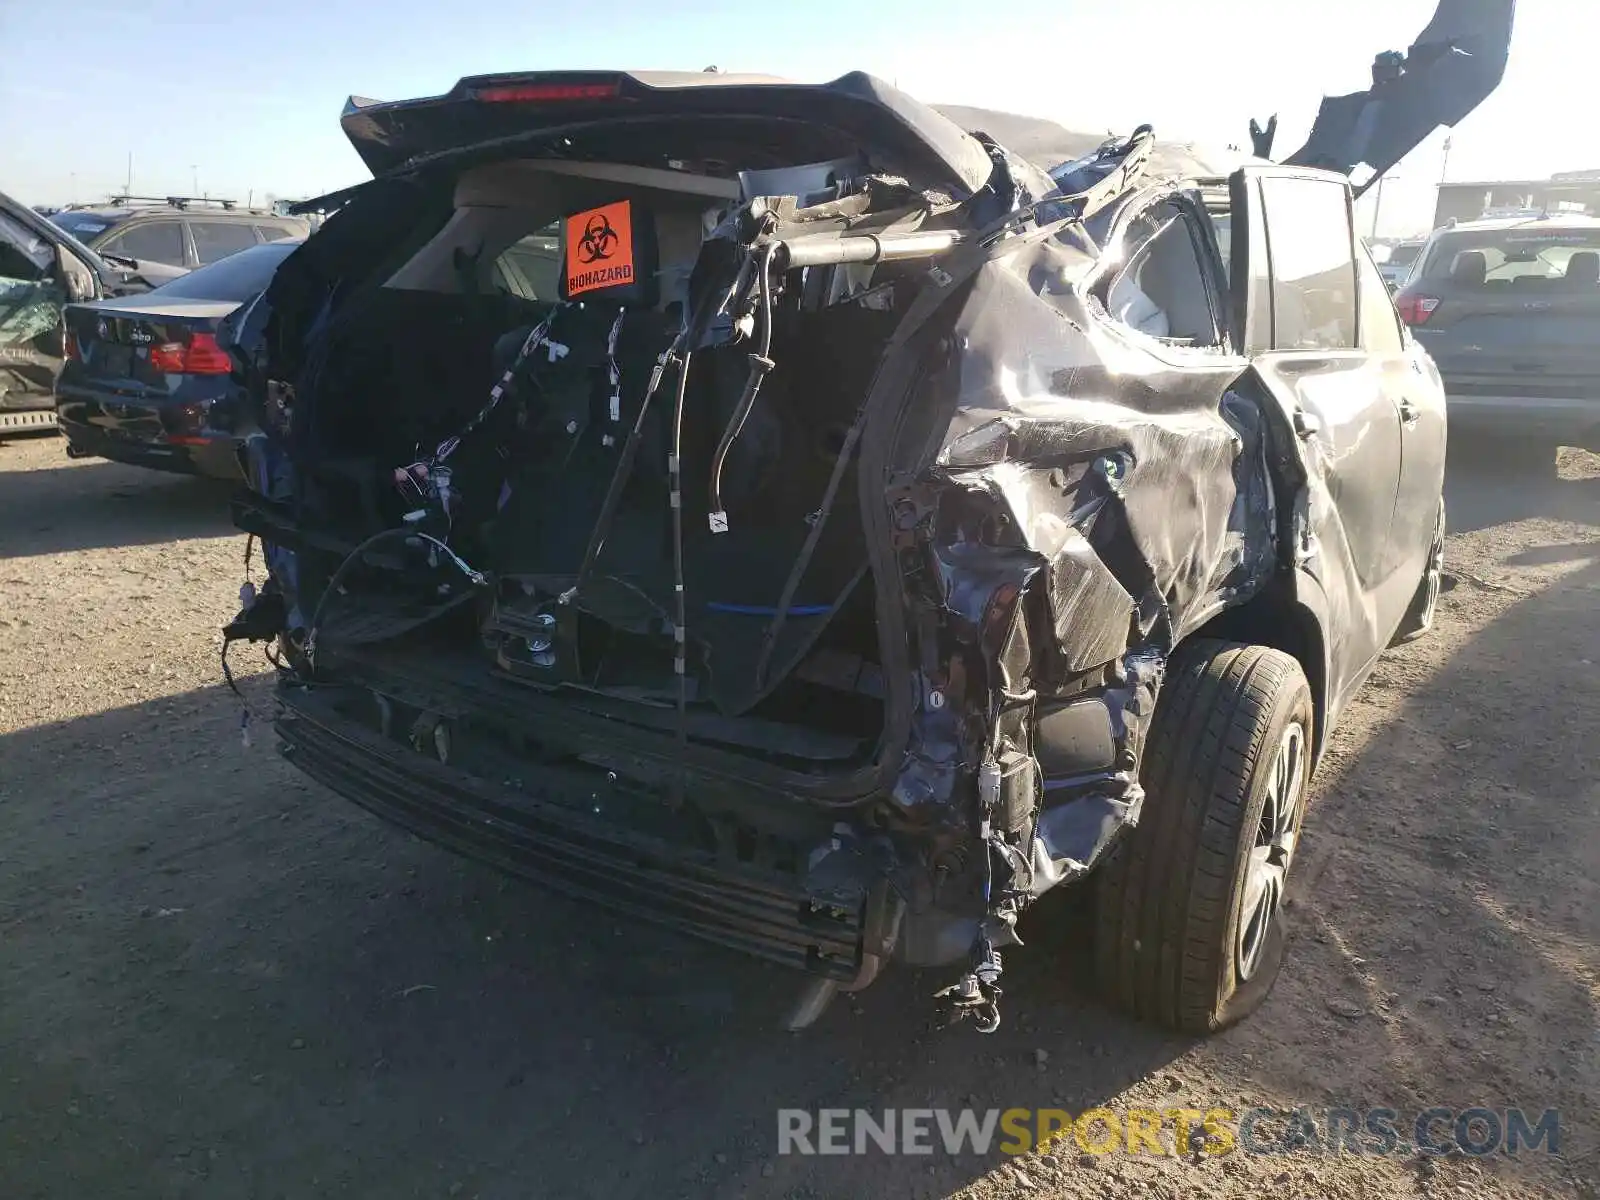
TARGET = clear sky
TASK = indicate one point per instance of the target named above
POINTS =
(239, 99)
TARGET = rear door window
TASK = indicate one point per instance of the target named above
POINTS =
(277, 233)
(215, 240)
(531, 266)
(1163, 291)
(23, 253)
(1312, 245)
(150, 241)
(30, 299)
(1380, 322)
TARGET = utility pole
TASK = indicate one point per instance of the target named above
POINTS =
(1444, 167)
(1377, 202)
(127, 188)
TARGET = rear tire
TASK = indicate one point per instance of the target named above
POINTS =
(1188, 924)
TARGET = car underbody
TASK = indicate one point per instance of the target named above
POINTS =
(806, 581)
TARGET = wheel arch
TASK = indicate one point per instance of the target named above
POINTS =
(1279, 618)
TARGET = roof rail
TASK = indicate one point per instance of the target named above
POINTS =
(124, 198)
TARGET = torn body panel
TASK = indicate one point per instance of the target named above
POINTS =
(1087, 504)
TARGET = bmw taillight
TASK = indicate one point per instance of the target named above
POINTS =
(1415, 308)
(200, 355)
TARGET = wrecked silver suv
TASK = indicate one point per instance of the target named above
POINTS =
(824, 524)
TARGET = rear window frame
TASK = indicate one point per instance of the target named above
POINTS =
(146, 220)
(1433, 268)
(198, 221)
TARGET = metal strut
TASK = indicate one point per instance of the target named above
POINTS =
(680, 626)
(624, 471)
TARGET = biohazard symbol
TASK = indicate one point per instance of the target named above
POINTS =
(599, 251)
(598, 240)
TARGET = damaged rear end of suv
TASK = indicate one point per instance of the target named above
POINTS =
(824, 525)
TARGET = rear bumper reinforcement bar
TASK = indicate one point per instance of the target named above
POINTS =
(761, 913)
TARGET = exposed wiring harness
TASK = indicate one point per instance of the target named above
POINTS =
(309, 649)
(429, 479)
(247, 601)
(760, 364)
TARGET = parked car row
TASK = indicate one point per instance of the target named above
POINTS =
(107, 333)
(170, 237)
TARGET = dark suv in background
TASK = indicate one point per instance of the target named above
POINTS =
(171, 236)
(1510, 311)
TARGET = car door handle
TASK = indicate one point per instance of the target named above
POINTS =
(1409, 412)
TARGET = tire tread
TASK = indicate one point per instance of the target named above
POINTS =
(1164, 896)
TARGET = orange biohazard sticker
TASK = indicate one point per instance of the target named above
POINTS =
(600, 249)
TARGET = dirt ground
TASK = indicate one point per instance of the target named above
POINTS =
(218, 979)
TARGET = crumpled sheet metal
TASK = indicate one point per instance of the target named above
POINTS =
(1116, 470)
(1120, 500)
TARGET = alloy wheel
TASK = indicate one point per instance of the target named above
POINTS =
(1267, 871)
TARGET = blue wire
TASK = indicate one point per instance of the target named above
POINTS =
(759, 610)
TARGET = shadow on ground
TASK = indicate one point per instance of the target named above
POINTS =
(94, 504)
(1479, 493)
(216, 975)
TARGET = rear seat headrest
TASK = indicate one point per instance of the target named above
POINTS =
(609, 255)
(1471, 266)
(1583, 267)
